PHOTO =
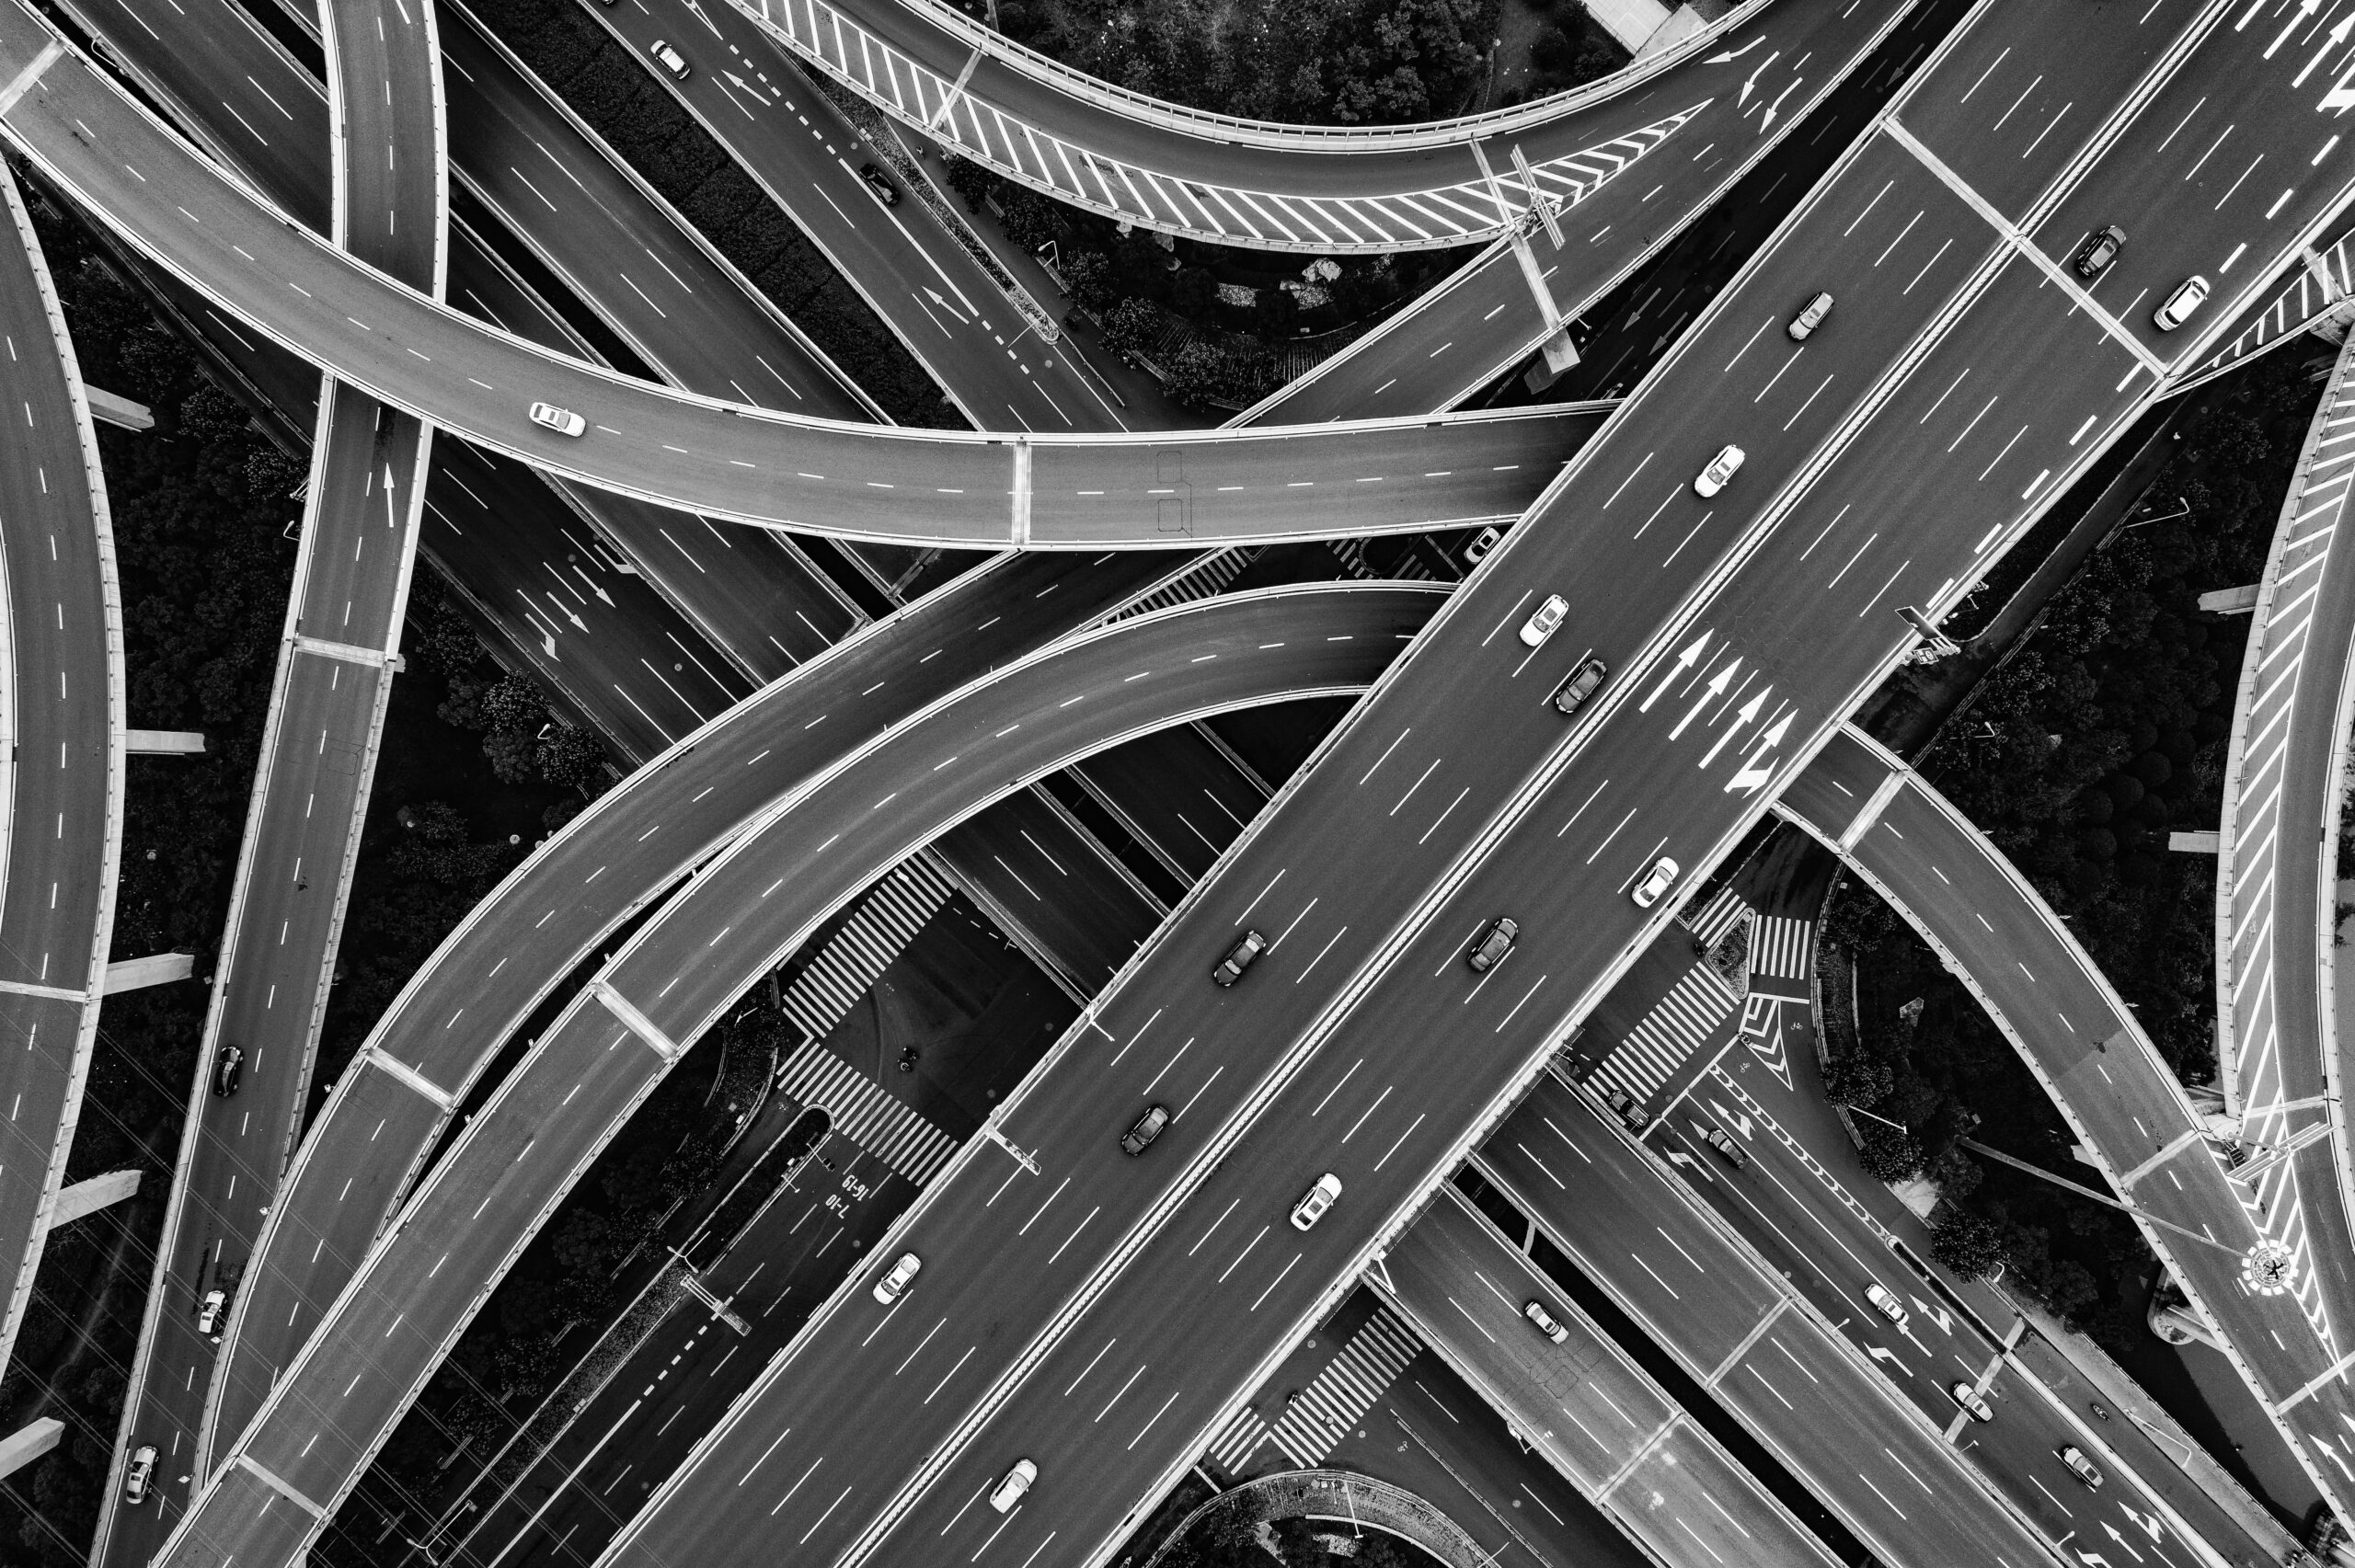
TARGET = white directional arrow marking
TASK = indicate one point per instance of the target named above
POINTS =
(1684, 661)
(1769, 117)
(940, 300)
(1878, 1353)
(1716, 689)
(744, 87)
(1741, 1123)
(1743, 98)
(1755, 773)
(2331, 40)
(1734, 55)
(1741, 721)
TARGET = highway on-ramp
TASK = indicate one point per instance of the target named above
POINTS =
(61, 670)
(1964, 382)
(1163, 491)
(747, 909)
(2208, 1223)
(336, 657)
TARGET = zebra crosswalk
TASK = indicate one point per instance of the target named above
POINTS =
(1327, 1411)
(862, 1112)
(894, 910)
(1709, 924)
(1209, 578)
(1782, 948)
(1678, 1025)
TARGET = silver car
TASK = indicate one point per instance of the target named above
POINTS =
(1810, 317)
(888, 1288)
(2182, 305)
(1657, 881)
(1722, 467)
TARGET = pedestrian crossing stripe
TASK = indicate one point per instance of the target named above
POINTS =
(857, 1109)
(1327, 1411)
(888, 920)
(1783, 947)
(1679, 1024)
(1710, 924)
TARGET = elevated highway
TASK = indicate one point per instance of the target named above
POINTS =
(1595, 1415)
(61, 774)
(363, 503)
(730, 461)
(627, 850)
(2278, 1044)
(337, 1401)
(1159, 166)
(2275, 1284)
(1974, 382)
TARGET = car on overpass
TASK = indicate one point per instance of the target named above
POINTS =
(1316, 1201)
(1496, 939)
(139, 1473)
(1721, 468)
(1239, 957)
(1016, 1483)
(1581, 685)
(1139, 1139)
(2101, 249)
(1546, 1323)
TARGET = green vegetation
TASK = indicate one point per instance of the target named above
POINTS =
(610, 88)
(1181, 305)
(2105, 729)
(1323, 63)
(1232, 1538)
(202, 513)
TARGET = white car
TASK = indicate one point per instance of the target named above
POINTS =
(209, 1310)
(1886, 1303)
(1017, 1481)
(670, 59)
(1538, 628)
(2181, 304)
(1316, 1201)
(1659, 880)
(888, 1288)
(1546, 1323)
(1722, 467)
(563, 421)
(1968, 1398)
(138, 1474)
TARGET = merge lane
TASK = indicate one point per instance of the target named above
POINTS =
(1327, 902)
(546, 1120)
(723, 459)
(629, 847)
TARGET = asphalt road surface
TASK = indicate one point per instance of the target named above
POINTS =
(1174, 489)
(63, 673)
(1593, 1412)
(1804, 622)
(629, 848)
(2082, 1041)
(673, 977)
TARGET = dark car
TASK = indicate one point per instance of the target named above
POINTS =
(880, 183)
(2101, 249)
(1239, 957)
(1493, 944)
(228, 1070)
(1623, 1105)
(1581, 685)
(1139, 1139)
(1722, 1141)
